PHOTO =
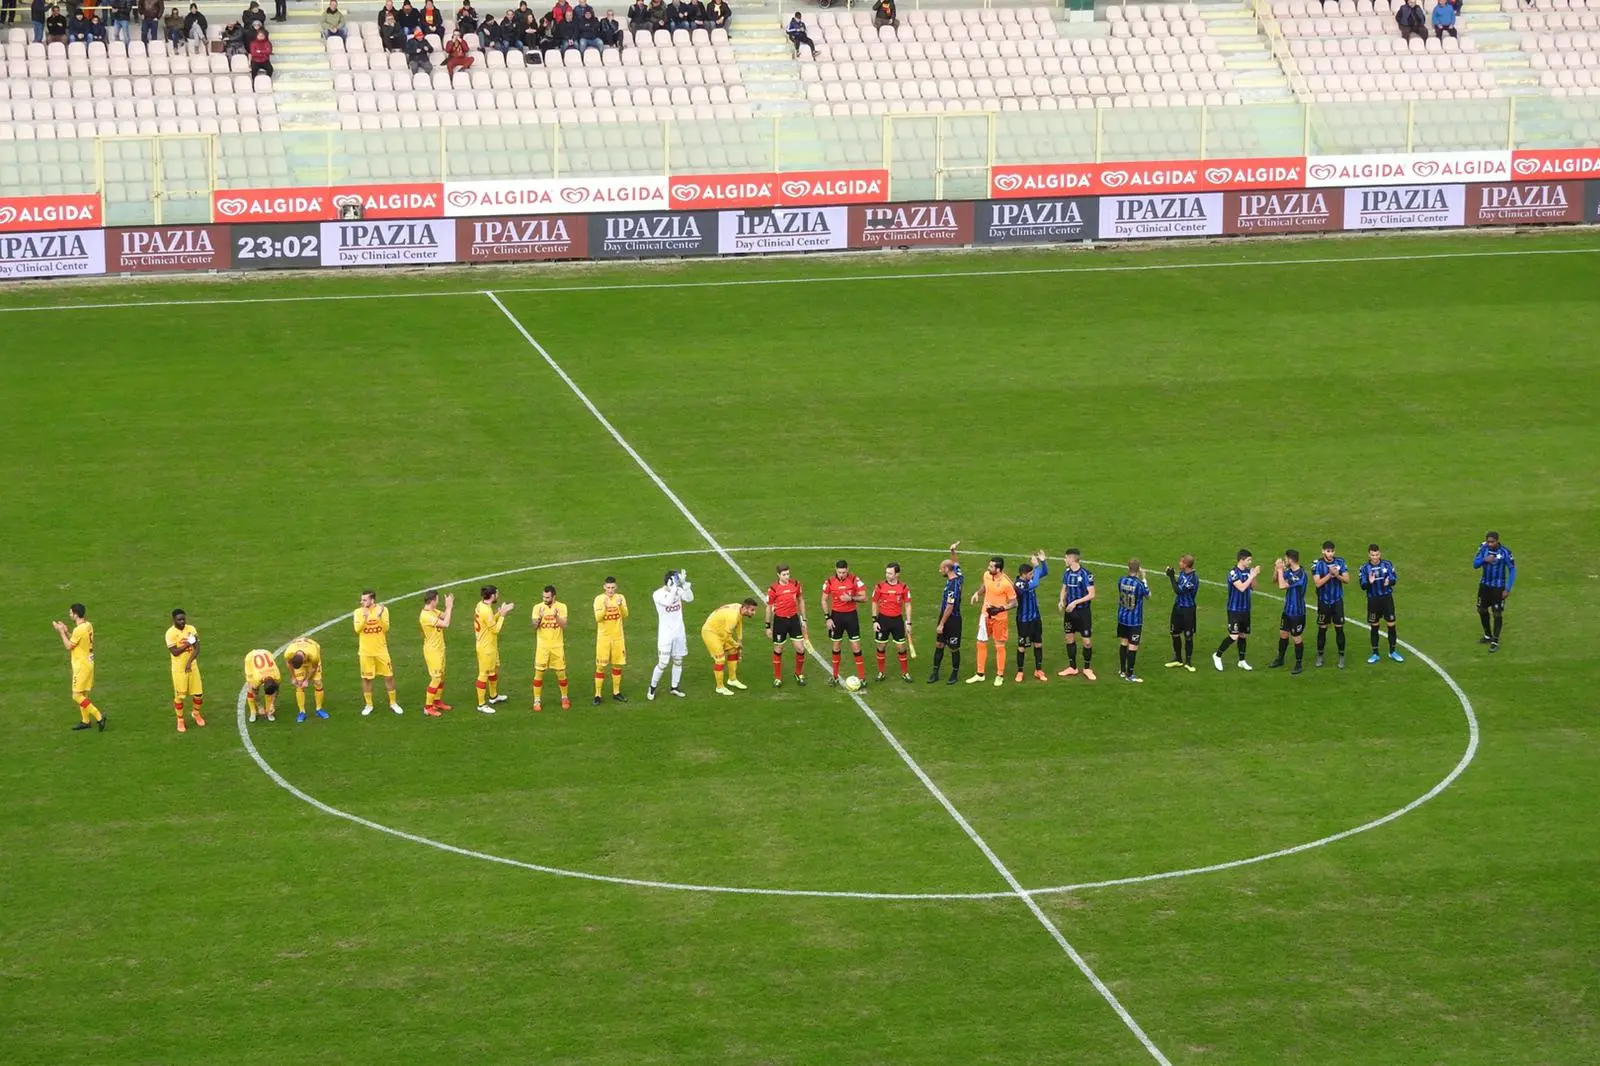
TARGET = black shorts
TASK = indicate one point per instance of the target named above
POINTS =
(1330, 614)
(1080, 622)
(784, 629)
(1239, 623)
(1380, 609)
(1491, 598)
(1182, 621)
(951, 637)
(887, 627)
(845, 624)
(1130, 634)
(1292, 624)
(1030, 632)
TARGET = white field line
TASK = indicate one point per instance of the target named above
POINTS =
(270, 771)
(894, 742)
(821, 279)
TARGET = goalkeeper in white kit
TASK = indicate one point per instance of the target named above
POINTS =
(672, 643)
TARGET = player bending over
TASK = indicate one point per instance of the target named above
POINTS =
(1185, 590)
(183, 648)
(610, 610)
(304, 657)
(672, 643)
(999, 597)
(550, 646)
(261, 678)
(786, 622)
(947, 630)
(1378, 577)
(891, 619)
(723, 635)
(1291, 578)
(78, 639)
(1030, 625)
(1241, 584)
(1077, 614)
(434, 622)
(840, 594)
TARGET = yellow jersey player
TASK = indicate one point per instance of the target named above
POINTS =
(487, 619)
(372, 644)
(304, 657)
(550, 645)
(610, 610)
(724, 637)
(78, 639)
(183, 647)
(261, 677)
(434, 622)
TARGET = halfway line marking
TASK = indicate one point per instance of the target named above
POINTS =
(819, 279)
(894, 742)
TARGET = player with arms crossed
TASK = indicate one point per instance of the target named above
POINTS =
(1131, 594)
(786, 622)
(488, 618)
(371, 621)
(1330, 574)
(550, 646)
(1185, 590)
(261, 678)
(840, 594)
(1378, 577)
(999, 595)
(1291, 577)
(78, 639)
(947, 630)
(1241, 584)
(304, 657)
(183, 648)
(723, 634)
(891, 619)
(610, 611)
(434, 622)
(672, 643)
(1494, 585)
(1030, 625)
(1077, 616)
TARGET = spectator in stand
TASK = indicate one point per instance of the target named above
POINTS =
(38, 13)
(1412, 22)
(390, 35)
(233, 40)
(8, 11)
(333, 22)
(883, 14)
(522, 16)
(417, 51)
(638, 16)
(260, 54)
(798, 36)
(467, 19)
(150, 12)
(679, 16)
(567, 33)
(55, 26)
(121, 13)
(532, 41)
(489, 34)
(431, 19)
(388, 9)
(718, 14)
(610, 31)
(1444, 20)
(407, 18)
(253, 19)
(172, 27)
(697, 15)
(196, 29)
(280, 11)
(457, 56)
(658, 15)
(588, 31)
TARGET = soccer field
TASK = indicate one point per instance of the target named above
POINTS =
(1387, 864)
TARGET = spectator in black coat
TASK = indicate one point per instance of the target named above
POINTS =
(588, 31)
(417, 50)
(252, 20)
(883, 14)
(797, 36)
(390, 34)
(639, 16)
(55, 26)
(408, 18)
(610, 31)
(697, 14)
(658, 15)
(489, 33)
(1412, 21)
(466, 19)
(718, 14)
(431, 19)
(38, 12)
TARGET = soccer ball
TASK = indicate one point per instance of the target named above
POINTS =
(852, 683)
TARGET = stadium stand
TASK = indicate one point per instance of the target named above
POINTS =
(1562, 43)
(1353, 50)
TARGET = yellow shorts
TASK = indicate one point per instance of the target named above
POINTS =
(549, 659)
(307, 672)
(718, 647)
(610, 650)
(186, 683)
(83, 680)
(488, 663)
(376, 666)
(435, 664)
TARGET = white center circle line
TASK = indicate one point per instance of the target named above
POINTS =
(679, 886)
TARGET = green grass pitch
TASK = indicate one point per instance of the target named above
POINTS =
(162, 900)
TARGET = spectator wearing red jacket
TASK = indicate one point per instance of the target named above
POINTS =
(261, 55)
(457, 55)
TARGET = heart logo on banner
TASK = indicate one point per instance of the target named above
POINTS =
(463, 198)
(232, 206)
(1425, 168)
(1008, 182)
(8, 215)
(1526, 166)
(1114, 179)
(347, 199)
(686, 192)
(795, 190)
(575, 194)
(1219, 175)
(1321, 171)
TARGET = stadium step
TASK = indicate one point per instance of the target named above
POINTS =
(302, 82)
(766, 61)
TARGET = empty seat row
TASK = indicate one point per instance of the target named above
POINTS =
(1565, 60)
(146, 127)
(1385, 96)
(992, 31)
(970, 16)
(1551, 22)
(1007, 105)
(1377, 46)
(134, 88)
(535, 78)
(158, 107)
(1000, 88)
(1011, 68)
(1422, 64)
(395, 120)
(1064, 46)
(1401, 85)
(555, 103)
(123, 66)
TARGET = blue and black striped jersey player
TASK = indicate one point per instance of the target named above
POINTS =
(947, 629)
(1291, 578)
(1185, 589)
(1330, 574)
(1076, 604)
(1030, 624)
(1241, 586)
(1131, 594)
(1499, 574)
(1378, 577)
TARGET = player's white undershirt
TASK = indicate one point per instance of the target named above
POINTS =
(672, 642)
